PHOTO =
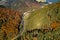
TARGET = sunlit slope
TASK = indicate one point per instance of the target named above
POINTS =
(46, 17)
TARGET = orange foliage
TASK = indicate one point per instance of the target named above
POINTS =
(11, 21)
(54, 25)
(34, 38)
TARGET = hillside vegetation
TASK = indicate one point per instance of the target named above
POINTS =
(43, 23)
(9, 23)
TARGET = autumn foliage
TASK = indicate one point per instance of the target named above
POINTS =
(9, 22)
